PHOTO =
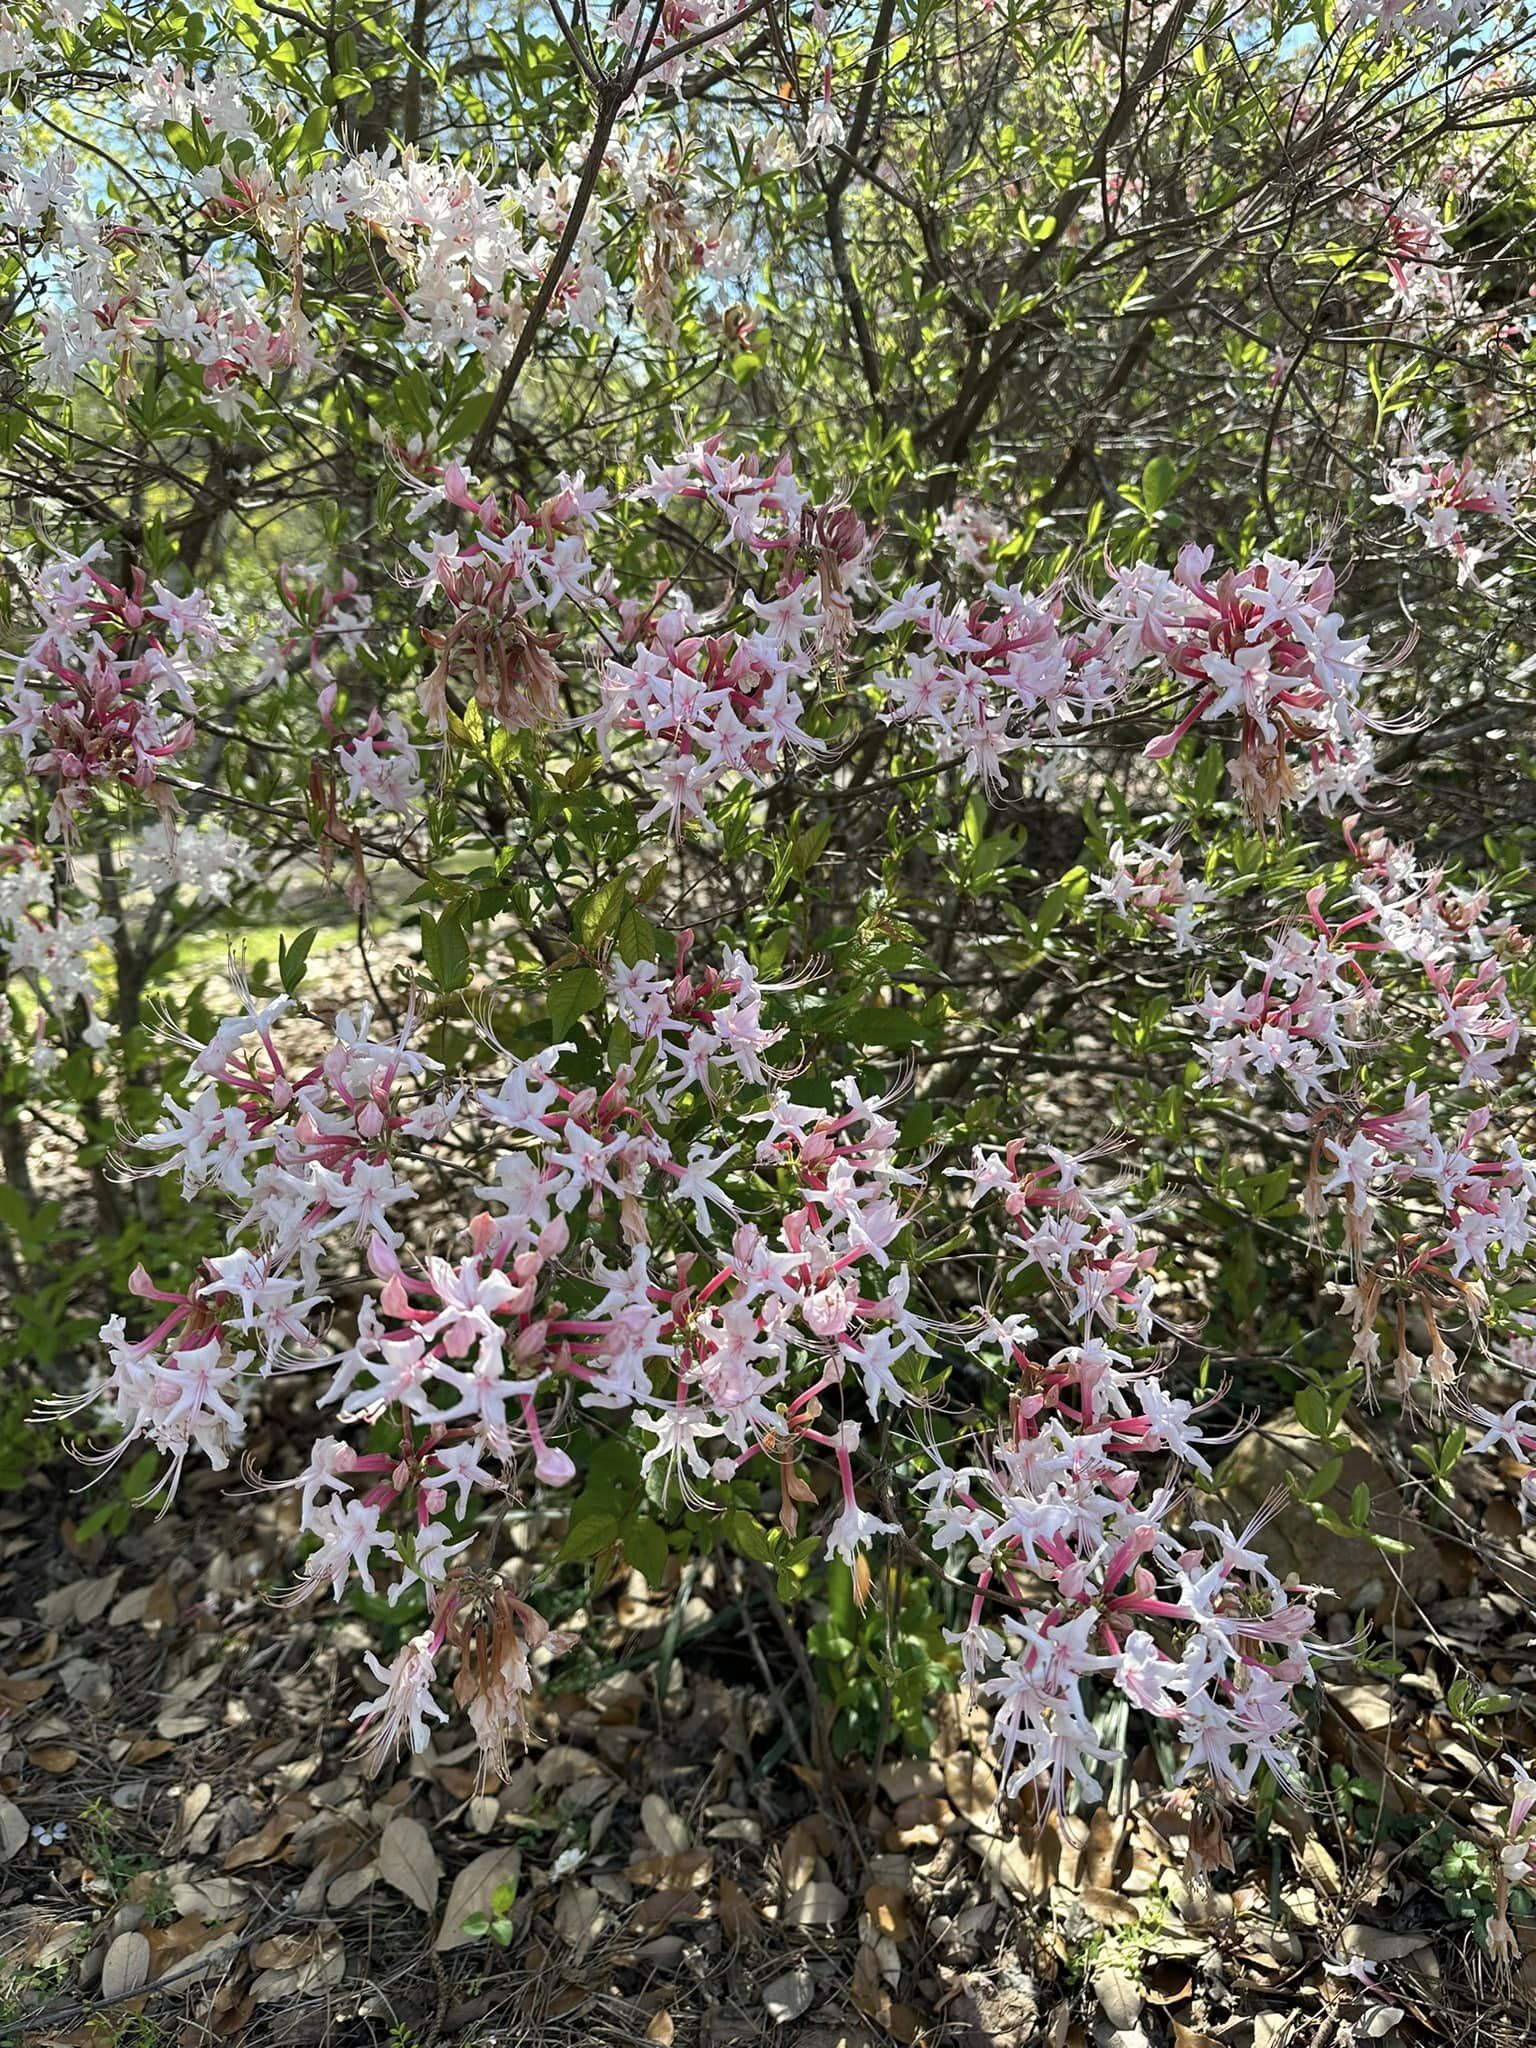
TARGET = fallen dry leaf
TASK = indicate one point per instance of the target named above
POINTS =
(1109, 1909)
(886, 1905)
(212, 1897)
(912, 1778)
(739, 1919)
(319, 1963)
(1119, 1997)
(787, 1997)
(13, 1829)
(806, 1841)
(571, 1999)
(171, 1946)
(662, 1908)
(663, 1829)
(563, 1765)
(408, 1862)
(194, 1805)
(230, 2010)
(691, 1867)
(871, 1995)
(923, 1811)
(1192, 2037)
(125, 1966)
(579, 1915)
(341, 1891)
(970, 1785)
(1377, 1945)
(54, 1758)
(1020, 1872)
(270, 1838)
(84, 1600)
(146, 1749)
(282, 1951)
(817, 1904)
(22, 1692)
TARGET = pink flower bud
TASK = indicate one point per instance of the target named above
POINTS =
(554, 1467)
(554, 1237)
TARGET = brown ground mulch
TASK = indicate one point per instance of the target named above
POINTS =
(693, 1870)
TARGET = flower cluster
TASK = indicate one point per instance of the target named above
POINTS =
(318, 622)
(1146, 885)
(382, 766)
(682, 229)
(1301, 1019)
(557, 1299)
(994, 678)
(702, 708)
(218, 269)
(1437, 19)
(707, 706)
(1433, 1200)
(1260, 645)
(1435, 494)
(464, 256)
(692, 699)
(675, 39)
(1510, 1433)
(971, 532)
(52, 947)
(1083, 1577)
(103, 696)
(514, 564)
(205, 859)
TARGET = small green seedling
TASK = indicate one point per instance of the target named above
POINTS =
(498, 1922)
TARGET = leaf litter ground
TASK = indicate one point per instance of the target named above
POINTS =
(694, 1869)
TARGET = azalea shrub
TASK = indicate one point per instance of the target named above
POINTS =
(767, 784)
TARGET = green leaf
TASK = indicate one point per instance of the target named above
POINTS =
(603, 1511)
(445, 951)
(1312, 1412)
(747, 1535)
(140, 1475)
(636, 937)
(189, 148)
(882, 1027)
(1208, 777)
(645, 1546)
(572, 995)
(585, 1539)
(1158, 481)
(824, 1641)
(96, 1521)
(597, 914)
(348, 85)
(1323, 1481)
(292, 960)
